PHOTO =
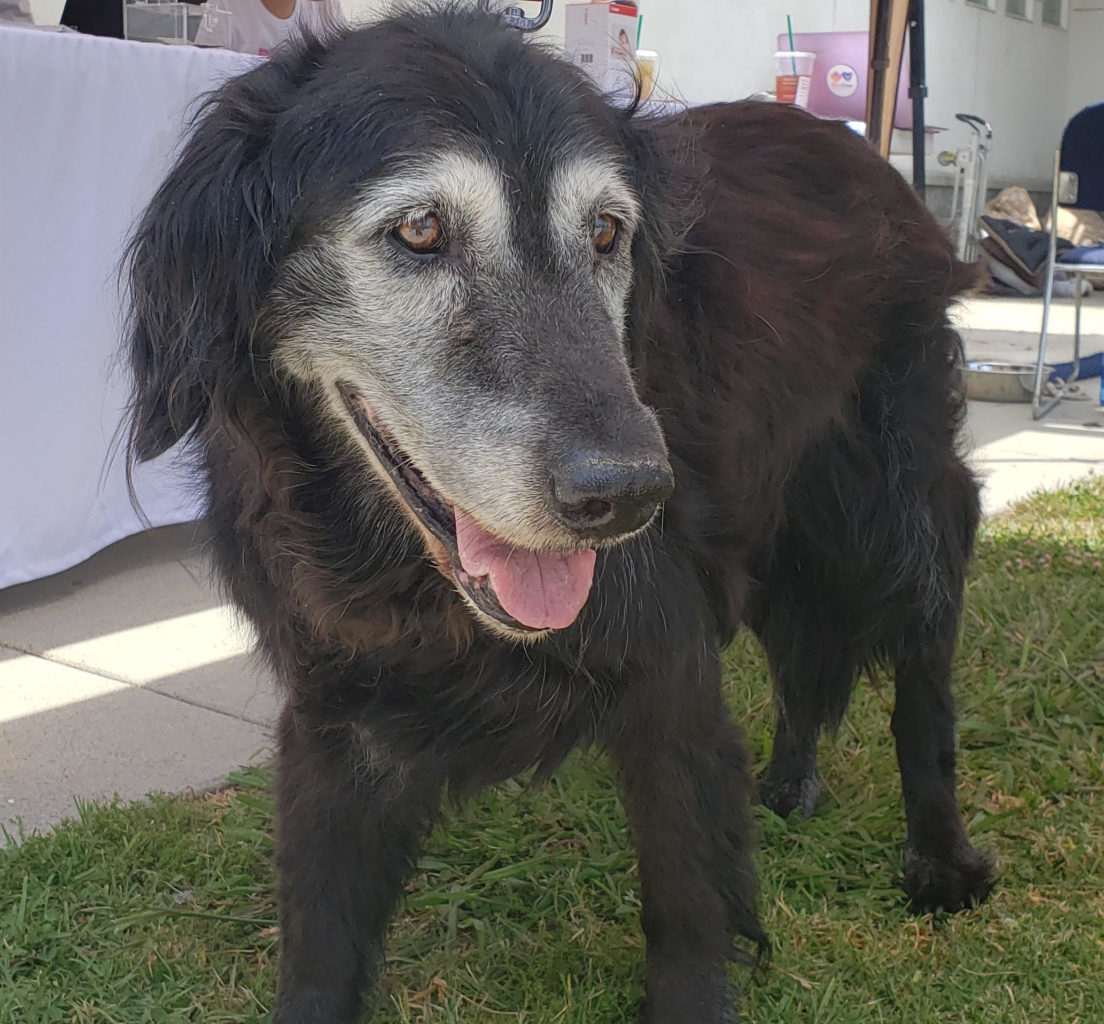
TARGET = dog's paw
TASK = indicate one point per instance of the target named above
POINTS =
(957, 881)
(722, 1014)
(307, 1004)
(786, 795)
(688, 994)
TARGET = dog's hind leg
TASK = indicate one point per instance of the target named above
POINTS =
(811, 689)
(813, 661)
(942, 870)
(683, 773)
(347, 834)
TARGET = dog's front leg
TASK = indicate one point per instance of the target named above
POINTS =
(348, 825)
(684, 778)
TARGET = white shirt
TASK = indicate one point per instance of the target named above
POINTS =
(254, 29)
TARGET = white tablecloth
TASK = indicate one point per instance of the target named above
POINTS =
(88, 127)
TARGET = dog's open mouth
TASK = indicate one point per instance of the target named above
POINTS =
(524, 590)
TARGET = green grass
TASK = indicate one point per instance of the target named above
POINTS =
(525, 905)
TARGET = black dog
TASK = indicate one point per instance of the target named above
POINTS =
(513, 408)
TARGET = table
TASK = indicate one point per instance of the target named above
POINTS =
(88, 127)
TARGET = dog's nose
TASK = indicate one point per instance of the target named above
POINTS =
(604, 498)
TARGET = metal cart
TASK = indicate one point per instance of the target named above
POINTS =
(971, 185)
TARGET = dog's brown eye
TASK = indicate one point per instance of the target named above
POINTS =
(421, 234)
(605, 232)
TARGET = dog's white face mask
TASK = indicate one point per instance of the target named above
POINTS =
(466, 326)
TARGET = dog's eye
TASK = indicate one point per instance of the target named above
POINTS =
(605, 231)
(421, 234)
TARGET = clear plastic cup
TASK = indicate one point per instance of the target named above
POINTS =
(793, 76)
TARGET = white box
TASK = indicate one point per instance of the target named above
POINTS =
(601, 38)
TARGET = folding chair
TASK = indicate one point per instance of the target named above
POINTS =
(1078, 183)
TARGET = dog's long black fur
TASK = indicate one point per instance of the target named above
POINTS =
(788, 327)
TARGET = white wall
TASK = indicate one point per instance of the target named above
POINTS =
(734, 64)
(1008, 71)
(1085, 85)
(1011, 72)
(1025, 78)
(715, 51)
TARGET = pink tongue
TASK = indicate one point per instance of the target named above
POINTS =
(541, 589)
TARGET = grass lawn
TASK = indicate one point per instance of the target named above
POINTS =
(525, 905)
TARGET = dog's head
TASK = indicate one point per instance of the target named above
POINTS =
(436, 230)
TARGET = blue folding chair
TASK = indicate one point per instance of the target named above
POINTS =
(1078, 184)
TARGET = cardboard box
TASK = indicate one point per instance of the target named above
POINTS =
(601, 38)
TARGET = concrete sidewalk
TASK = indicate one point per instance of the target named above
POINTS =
(129, 674)
(1013, 454)
(124, 675)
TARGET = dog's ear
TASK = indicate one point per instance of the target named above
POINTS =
(662, 153)
(202, 255)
